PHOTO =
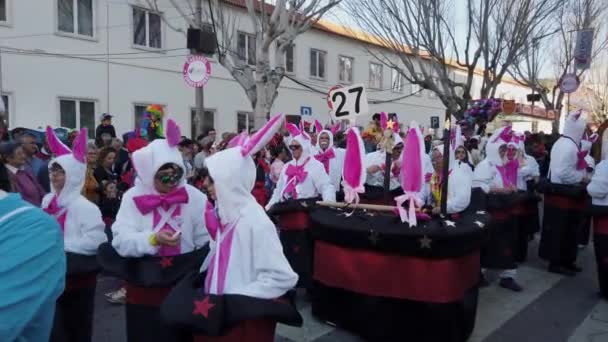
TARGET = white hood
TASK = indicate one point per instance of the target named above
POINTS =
(574, 126)
(73, 163)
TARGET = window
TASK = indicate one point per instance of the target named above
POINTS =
(290, 59)
(246, 48)
(345, 67)
(6, 114)
(244, 122)
(375, 75)
(317, 63)
(75, 17)
(147, 28)
(3, 11)
(77, 114)
(140, 113)
(208, 121)
(397, 81)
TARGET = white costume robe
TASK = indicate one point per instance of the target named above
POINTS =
(336, 164)
(132, 229)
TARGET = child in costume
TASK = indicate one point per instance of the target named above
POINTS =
(598, 190)
(246, 256)
(565, 198)
(330, 156)
(83, 232)
(159, 233)
(497, 177)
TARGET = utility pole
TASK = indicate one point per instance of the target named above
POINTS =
(198, 92)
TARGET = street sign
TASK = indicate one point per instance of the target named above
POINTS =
(509, 106)
(348, 102)
(305, 111)
(434, 122)
(569, 83)
(197, 71)
(583, 49)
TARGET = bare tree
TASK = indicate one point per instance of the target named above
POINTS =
(421, 41)
(597, 89)
(276, 26)
(557, 53)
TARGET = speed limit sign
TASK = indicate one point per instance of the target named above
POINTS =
(348, 102)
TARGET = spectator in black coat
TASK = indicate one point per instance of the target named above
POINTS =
(105, 128)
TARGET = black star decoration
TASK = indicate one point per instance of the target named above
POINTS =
(374, 237)
(425, 242)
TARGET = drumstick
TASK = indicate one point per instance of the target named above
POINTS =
(377, 207)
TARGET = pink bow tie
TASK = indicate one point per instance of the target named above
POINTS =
(508, 172)
(581, 164)
(325, 157)
(295, 175)
(54, 209)
(147, 203)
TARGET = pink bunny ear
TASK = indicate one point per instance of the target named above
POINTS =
(80, 146)
(263, 136)
(335, 128)
(353, 172)
(56, 146)
(411, 172)
(239, 140)
(318, 127)
(292, 129)
(173, 133)
(383, 120)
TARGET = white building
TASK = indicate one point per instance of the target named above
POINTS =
(64, 62)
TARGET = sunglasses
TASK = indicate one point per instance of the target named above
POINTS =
(294, 147)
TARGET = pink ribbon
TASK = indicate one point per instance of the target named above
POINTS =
(409, 215)
(506, 135)
(224, 249)
(508, 172)
(147, 203)
(325, 157)
(211, 220)
(351, 195)
(395, 169)
(295, 175)
(581, 163)
(57, 212)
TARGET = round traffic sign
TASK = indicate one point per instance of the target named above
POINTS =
(197, 71)
(569, 83)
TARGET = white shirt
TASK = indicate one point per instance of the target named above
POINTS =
(378, 158)
(316, 183)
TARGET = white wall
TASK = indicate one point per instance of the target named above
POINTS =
(35, 83)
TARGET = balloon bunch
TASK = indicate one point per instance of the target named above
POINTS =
(480, 112)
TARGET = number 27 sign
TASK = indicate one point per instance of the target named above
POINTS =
(348, 102)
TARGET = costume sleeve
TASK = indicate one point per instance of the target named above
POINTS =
(91, 228)
(598, 188)
(274, 276)
(129, 240)
(323, 184)
(459, 196)
(527, 170)
(483, 176)
(533, 166)
(200, 235)
(278, 190)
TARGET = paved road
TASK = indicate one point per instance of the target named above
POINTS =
(551, 309)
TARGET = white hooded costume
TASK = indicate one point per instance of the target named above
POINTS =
(486, 175)
(529, 169)
(378, 158)
(598, 187)
(460, 177)
(80, 220)
(144, 211)
(564, 153)
(302, 178)
(332, 158)
(246, 254)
